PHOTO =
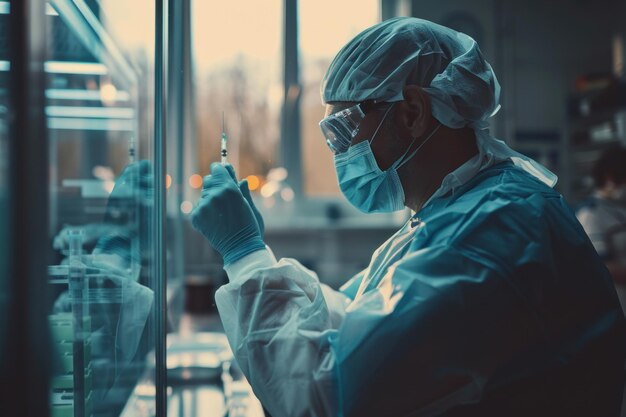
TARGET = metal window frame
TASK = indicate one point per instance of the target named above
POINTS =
(290, 133)
(159, 265)
(27, 360)
(181, 126)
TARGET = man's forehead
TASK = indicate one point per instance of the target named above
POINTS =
(337, 106)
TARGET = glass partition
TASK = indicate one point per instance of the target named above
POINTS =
(100, 117)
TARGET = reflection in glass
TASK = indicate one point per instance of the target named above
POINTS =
(100, 120)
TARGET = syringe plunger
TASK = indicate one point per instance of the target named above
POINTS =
(224, 151)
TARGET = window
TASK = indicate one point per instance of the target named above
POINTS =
(239, 73)
(325, 27)
(237, 49)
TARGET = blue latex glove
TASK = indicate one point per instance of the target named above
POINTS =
(225, 218)
(243, 187)
(134, 189)
(135, 184)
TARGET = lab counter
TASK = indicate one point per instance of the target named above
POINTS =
(203, 381)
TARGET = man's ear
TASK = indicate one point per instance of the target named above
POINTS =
(413, 113)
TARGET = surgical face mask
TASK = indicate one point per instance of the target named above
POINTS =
(364, 184)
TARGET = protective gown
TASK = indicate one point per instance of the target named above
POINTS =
(490, 301)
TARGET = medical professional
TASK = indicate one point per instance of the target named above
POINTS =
(603, 215)
(489, 301)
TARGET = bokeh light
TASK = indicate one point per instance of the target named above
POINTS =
(253, 182)
(195, 181)
(186, 207)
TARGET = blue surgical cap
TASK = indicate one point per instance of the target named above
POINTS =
(380, 61)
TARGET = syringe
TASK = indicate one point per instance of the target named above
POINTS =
(224, 151)
(131, 150)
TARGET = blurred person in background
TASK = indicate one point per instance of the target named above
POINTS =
(603, 215)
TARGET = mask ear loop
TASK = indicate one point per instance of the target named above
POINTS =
(380, 124)
(403, 161)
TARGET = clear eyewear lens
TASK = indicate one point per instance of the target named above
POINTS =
(341, 127)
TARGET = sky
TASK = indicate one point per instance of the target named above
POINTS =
(226, 29)
(222, 30)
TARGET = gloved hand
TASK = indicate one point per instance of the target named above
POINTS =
(225, 218)
(134, 185)
(129, 210)
(243, 187)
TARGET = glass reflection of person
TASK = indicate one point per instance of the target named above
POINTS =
(119, 305)
(603, 215)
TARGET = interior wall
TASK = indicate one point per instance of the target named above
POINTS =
(537, 49)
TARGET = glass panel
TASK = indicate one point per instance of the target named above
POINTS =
(318, 46)
(100, 116)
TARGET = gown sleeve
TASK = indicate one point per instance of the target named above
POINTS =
(279, 320)
(592, 222)
(301, 361)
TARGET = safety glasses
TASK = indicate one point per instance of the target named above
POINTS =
(341, 127)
